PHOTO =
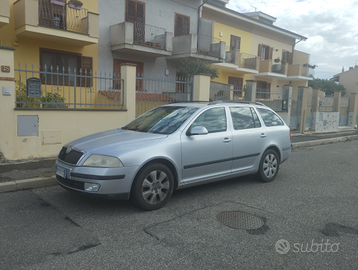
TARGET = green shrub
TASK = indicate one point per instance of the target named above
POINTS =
(21, 96)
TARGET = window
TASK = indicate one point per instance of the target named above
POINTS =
(235, 43)
(265, 52)
(214, 120)
(244, 118)
(135, 13)
(117, 73)
(270, 118)
(182, 25)
(286, 57)
(263, 90)
(64, 64)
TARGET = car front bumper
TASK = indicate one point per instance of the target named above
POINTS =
(112, 183)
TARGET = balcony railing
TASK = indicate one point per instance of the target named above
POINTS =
(243, 60)
(148, 35)
(60, 16)
(279, 68)
(209, 46)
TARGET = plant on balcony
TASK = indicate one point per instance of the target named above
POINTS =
(58, 2)
(277, 60)
(190, 68)
(76, 4)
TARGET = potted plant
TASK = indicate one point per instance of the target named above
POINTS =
(277, 60)
(76, 4)
(58, 2)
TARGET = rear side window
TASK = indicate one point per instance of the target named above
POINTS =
(244, 118)
(270, 118)
(214, 120)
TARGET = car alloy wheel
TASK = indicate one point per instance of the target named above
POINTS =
(153, 187)
(269, 166)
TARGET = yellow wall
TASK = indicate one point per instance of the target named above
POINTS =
(227, 31)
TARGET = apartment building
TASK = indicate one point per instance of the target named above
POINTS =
(348, 78)
(257, 50)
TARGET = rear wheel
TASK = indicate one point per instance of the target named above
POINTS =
(269, 166)
(152, 187)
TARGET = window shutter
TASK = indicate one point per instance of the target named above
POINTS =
(260, 50)
(86, 68)
(289, 60)
(270, 53)
(182, 25)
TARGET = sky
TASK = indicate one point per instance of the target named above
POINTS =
(331, 28)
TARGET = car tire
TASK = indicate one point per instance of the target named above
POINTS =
(269, 166)
(152, 187)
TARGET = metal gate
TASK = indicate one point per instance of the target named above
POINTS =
(344, 112)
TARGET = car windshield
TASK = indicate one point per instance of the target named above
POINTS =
(162, 120)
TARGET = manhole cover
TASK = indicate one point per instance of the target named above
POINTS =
(240, 220)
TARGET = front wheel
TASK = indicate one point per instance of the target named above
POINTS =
(152, 187)
(269, 166)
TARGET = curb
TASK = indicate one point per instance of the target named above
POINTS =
(323, 141)
(27, 184)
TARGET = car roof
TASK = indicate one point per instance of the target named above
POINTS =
(202, 104)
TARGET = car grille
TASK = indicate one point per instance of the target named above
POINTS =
(71, 183)
(72, 157)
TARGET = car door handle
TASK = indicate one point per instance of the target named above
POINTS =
(226, 140)
(263, 135)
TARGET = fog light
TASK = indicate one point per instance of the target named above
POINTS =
(91, 187)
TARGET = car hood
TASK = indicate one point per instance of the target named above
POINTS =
(112, 140)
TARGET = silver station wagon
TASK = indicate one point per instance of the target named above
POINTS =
(175, 146)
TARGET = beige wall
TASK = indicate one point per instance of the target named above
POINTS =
(349, 79)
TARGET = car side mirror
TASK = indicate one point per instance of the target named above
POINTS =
(198, 130)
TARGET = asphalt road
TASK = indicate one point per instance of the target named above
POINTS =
(309, 214)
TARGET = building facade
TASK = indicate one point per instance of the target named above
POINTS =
(257, 50)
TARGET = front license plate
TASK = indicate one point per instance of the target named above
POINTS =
(61, 171)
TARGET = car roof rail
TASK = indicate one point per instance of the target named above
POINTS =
(238, 101)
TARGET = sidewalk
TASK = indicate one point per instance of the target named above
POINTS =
(40, 173)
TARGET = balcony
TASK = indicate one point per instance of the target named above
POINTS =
(299, 72)
(240, 63)
(198, 46)
(140, 39)
(49, 20)
(4, 13)
(269, 70)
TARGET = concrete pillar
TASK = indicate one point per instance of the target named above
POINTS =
(128, 74)
(250, 91)
(316, 96)
(305, 95)
(337, 102)
(201, 88)
(7, 103)
(287, 97)
(353, 111)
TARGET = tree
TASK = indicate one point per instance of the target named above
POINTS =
(190, 68)
(327, 86)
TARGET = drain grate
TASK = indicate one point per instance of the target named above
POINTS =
(240, 220)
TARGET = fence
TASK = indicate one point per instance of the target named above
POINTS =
(49, 88)
(221, 91)
(270, 99)
(154, 92)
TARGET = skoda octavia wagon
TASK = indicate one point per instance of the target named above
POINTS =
(176, 146)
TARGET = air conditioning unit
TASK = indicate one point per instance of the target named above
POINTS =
(276, 67)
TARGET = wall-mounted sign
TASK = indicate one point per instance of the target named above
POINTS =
(33, 87)
(5, 69)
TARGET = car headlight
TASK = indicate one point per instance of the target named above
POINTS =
(103, 161)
